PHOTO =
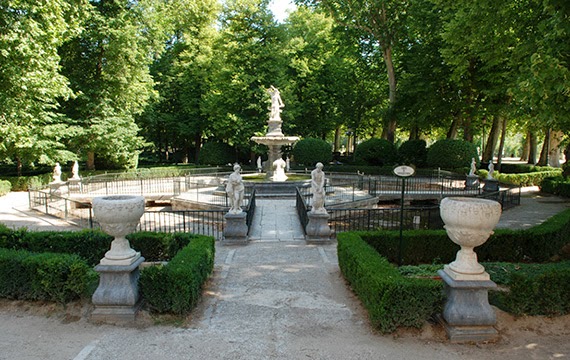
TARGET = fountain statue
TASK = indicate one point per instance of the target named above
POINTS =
(274, 138)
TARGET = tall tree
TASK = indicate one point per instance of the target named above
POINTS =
(385, 21)
(30, 31)
(108, 68)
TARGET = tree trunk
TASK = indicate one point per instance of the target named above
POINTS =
(198, 144)
(526, 147)
(452, 132)
(90, 160)
(337, 139)
(19, 166)
(468, 129)
(544, 151)
(554, 148)
(414, 133)
(532, 148)
(389, 132)
(502, 143)
(492, 140)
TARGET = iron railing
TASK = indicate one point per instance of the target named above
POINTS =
(302, 209)
(250, 211)
(203, 222)
(75, 212)
(343, 220)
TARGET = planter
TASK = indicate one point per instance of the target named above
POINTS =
(469, 222)
(119, 216)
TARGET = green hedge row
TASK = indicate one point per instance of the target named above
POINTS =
(547, 293)
(391, 299)
(176, 287)
(54, 277)
(523, 168)
(558, 185)
(5, 187)
(25, 183)
(542, 243)
(526, 179)
(92, 245)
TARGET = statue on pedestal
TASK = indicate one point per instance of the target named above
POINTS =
(56, 173)
(235, 190)
(318, 189)
(276, 103)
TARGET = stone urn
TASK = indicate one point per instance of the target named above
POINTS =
(469, 222)
(119, 216)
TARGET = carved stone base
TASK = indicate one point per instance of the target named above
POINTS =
(491, 185)
(235, 230)
(472, 182)
(58, 188)
(116, 299)
(318, 229)
(467, 315)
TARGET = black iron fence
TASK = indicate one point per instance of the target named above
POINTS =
(302, 208)
(75, 212)
(342, 220)
(203, 222)
(250, 210)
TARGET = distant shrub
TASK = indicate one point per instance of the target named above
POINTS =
(378, 152)
(5, 187)
(413, 152)
(216, 153)
(310, 151)
(557, 185)
(451, 154)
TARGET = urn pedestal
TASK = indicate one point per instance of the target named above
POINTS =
(318, 229)
(235, 230)
(116, 299)
(472, 182)
(467, 315)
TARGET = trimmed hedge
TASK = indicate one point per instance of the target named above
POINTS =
(377, 152)
(527, 179)
(556, 185)
(547, 293)
(310, 151)
(54, 277)
(541, 243)
(413, 152)
(391, 299)
(176, 287)
(451, 154)
(92, 245)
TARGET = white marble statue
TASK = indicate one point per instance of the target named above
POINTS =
(259, 166)
(491, 170)
(318, 189)
(473, 167)
(235, 190)
(279, 170)
(276, 103)
(287, 164)
(75, 171)
(56, 173)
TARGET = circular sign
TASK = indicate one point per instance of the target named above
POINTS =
(404, 171)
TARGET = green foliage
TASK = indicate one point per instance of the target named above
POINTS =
(547, 293)
(507, 168)
(413, 152)
(527, 179)
(556, 185)
(5, 187)
(391, 300)
(377, 152)
(53, 277)
(216, 153)
(310, 151)
(176, 287)
(25, 183)
(92, 245)
(451, 154)
(542, 243)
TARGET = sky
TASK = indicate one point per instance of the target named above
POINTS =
(280, 7)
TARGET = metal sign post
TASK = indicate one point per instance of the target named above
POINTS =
(403, 172)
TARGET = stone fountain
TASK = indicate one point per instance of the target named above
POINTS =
(274, 138)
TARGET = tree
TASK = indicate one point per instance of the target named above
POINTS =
(31, 130)
(108, 68)
(384, 20)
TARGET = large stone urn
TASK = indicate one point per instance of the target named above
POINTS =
(116, 299)
(467, 315)
(469, 222)
(119, 216)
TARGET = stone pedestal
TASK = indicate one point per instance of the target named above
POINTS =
(116, 299)
(318, 229)
(58, 188)
(467, 315)
(235, 230)
(74, 185)
(472, 182)
(491, 185)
